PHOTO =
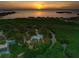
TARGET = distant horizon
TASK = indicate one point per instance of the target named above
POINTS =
(39, 9)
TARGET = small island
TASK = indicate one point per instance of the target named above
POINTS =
(78, 14)
(63, 12)
(6, 13)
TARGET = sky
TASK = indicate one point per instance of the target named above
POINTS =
(39, 5)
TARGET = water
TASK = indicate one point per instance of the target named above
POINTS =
(40, 13)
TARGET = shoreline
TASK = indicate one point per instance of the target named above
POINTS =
(70, 19)
(42, 17)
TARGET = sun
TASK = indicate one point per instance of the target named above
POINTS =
(39, 6)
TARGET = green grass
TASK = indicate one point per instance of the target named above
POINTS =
(68, 32)
(2, 41)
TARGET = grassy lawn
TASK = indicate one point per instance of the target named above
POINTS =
(64, 31)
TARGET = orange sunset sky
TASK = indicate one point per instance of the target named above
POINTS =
(39, 5)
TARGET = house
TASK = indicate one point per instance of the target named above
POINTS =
(4, 44)
(4, 48)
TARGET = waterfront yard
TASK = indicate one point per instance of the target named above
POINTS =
(66, 34)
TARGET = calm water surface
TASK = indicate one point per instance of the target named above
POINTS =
(35, 13)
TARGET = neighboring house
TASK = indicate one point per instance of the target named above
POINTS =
(4, 44)
(4, 48)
